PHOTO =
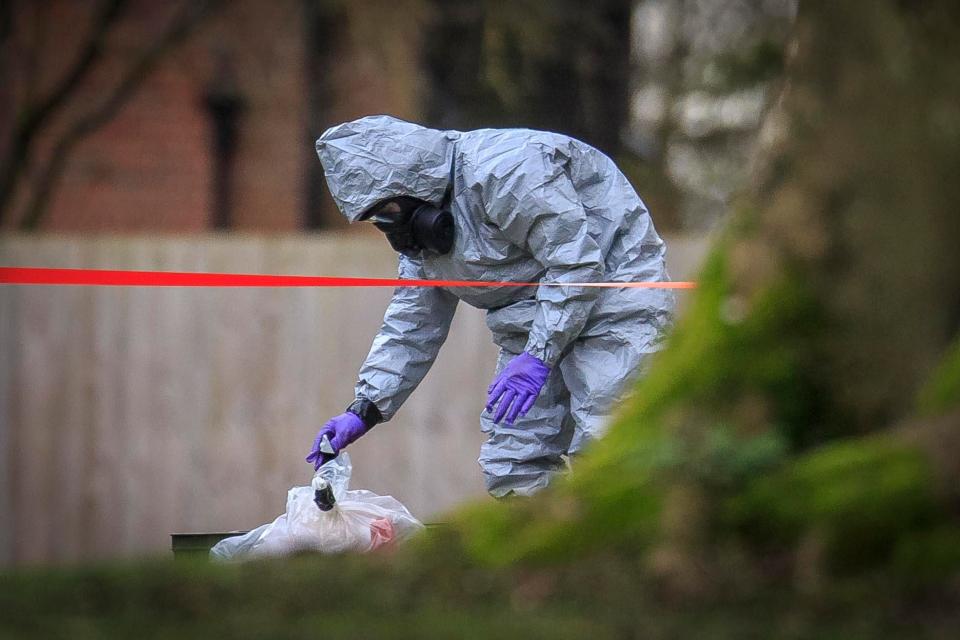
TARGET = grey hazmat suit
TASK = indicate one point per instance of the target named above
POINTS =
(528, 206)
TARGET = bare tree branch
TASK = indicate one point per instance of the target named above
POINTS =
(32, 118)
(191, 16)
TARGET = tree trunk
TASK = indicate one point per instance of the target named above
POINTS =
(860, 206)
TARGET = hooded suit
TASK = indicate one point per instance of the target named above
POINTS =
(528, 206)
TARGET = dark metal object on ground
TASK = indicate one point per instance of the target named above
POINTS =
(197, 545)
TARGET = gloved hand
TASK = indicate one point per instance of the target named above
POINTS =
(342, 430)
(517, 387)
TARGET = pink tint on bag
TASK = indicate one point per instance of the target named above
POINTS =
(381, 533)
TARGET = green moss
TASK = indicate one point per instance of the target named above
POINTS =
(856, 497)
(942, 391)
(727, 348)
(722, 460)
(929, 557)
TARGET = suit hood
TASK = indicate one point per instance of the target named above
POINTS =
(374, 158)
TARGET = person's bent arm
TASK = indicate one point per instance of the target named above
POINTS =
(415, 326)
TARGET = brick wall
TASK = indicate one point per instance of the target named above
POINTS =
(150, 168)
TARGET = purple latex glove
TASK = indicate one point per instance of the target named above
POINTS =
(341, 431)
(517, 387)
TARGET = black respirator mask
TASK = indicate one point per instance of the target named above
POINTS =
(418, 226)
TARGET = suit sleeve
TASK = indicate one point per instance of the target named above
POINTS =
(536, 206)
(414, 328)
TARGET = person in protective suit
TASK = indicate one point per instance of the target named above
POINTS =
(513, 205)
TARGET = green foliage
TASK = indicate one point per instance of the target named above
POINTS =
(928, 557)
(732, 346)
(723, 460)
(942, 391)
(303, 597)
(854, 499)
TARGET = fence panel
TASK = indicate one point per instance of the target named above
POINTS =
(129, 413)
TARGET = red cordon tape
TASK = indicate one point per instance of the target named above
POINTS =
(110, 278)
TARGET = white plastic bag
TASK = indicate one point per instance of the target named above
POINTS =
(360, 521)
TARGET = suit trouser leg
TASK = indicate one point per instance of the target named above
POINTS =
(573, 409)
(598, 372)
(521, 458)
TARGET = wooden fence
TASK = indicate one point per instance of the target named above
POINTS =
(130, 413)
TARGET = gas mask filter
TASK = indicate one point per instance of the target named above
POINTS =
(416, 227)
